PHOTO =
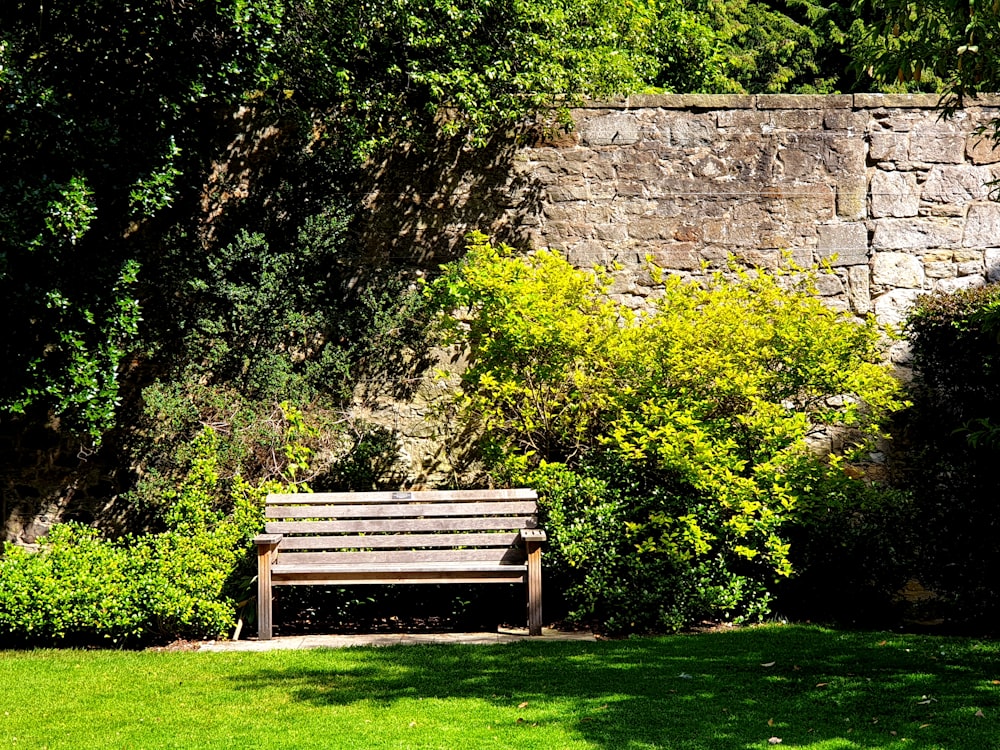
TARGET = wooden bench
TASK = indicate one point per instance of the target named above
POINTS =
(348, 538)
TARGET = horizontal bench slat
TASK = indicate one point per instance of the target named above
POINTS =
(364, 560)
(501, 574)
(501, 523)
(347, 498)
(406, 510)
(407, 541)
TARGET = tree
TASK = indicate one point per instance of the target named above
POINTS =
(952, 44)
(104, 105)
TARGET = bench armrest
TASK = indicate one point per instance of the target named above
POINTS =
(533, 535)
(267, 540)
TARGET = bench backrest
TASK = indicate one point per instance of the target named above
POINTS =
(391, 527)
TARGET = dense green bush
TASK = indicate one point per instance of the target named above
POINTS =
(182, 582)
(953, 431)
(670, 447)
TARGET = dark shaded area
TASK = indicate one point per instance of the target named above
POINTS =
(952, 433)
(419, 203)
(319, 610)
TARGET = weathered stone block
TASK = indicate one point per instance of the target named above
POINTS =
(797, 163)
(889, 146)
(894, 194)
(982, 226)
(938, 256)
(916, 234)
(992, 262)
(590, 253)
(631, 189)
(952, 285)
(900, 270)
(742, 119)
(851, 196)
(859, 289)
(679, 256)
(692, 101)
(892, 307)
(939, 269)
(843, 244)
(967, 256)
(568, 192)
(844, 119)
(610, 232)
(644, 230)
(848, 156)
(970, 267)
(808, 202)
(708, 165)
(692, 131)
(956, 185)
(799, 120)
(937, 143)
(614, 129)
(829, 285)
(981, 149)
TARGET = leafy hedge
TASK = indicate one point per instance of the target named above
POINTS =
(953, 432)
(183, 582)
(670, 448)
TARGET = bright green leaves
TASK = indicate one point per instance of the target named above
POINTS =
(690, 422)
(949, 46)
(182, 582)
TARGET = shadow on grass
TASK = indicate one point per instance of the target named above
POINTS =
(722, 691)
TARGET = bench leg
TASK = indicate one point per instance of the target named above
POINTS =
(534, 589)
(264, 593)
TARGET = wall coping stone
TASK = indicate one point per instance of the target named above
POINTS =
(782, 101)
(804, 101)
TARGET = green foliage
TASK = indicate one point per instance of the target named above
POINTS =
(687, 425)
(952, 429)
(793, 47)
(182, 582)
(101, 121)
(946, 46)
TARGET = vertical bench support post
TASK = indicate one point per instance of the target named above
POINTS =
(267, 550)
(533, 539)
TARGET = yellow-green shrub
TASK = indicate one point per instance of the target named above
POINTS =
(691, 421)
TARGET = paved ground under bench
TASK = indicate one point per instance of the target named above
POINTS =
(391, 639)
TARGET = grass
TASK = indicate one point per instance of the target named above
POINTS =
(810, 687)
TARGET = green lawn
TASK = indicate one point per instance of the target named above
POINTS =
(810, 687)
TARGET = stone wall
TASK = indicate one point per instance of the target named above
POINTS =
(893, 197)
(894, 200)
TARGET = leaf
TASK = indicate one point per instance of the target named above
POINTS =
(822, 684)
(769, 664)
(770, 722)
(980, 713)
(523, 705)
